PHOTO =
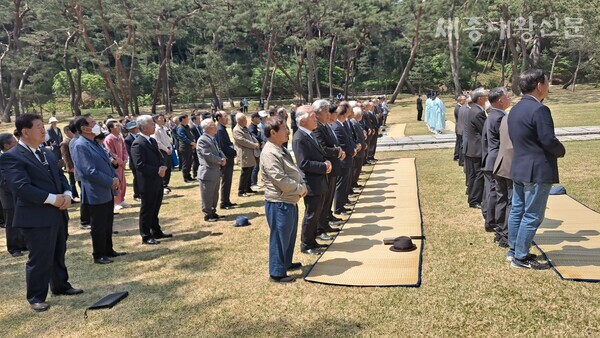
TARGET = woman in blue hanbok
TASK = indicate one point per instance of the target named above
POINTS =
(439, 122)
(428, 111)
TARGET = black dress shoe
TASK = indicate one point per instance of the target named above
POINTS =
(321, 246)
(70, 292)
(342, 212)
(475, 206)
(85, 227)
(226, 207)
(294, 266)
(16, 253)
(357, 186)
(490, 229)
(311, 251)
(162, 235)
(243, 195)
(215, 215)
(332, 230)
(103, 260)
(210, 218)
(283, 280)
(335, 219)
(117, 254)
(39, 307)
(150, 241)
(324, 237)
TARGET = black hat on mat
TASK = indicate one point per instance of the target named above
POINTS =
(403, 244)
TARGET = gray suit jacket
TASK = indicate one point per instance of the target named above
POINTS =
(505, 152)
(209, 158)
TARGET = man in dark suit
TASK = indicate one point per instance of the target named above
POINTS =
(343, 184)
(500, 100)
(360, 140)
(196, 133)
(41, 198)
(15, 243)
(463, 111)
(419, 108)
(133, 134)
(187, 145)
(99, 180)
(228, 149)
(314, 168)
(209, 173)
(460, 101)
(534, 167)
(333, 153)
(151, 169)
(475, 120)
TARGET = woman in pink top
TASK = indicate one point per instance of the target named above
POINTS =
(115, 145)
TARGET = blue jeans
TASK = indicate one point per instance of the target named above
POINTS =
(528, 208)
(283, 222)
(254, 177)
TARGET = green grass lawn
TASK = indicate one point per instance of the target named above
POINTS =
(211, 278)
(569, 109)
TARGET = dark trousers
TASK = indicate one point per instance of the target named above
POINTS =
(245, 180)
(312, 214)
(195, 164)
(186, 159)
(419, 114)
(357, 164)
(255, 170)
(46, 262)
(488, 203)
(151, 201)
(84, 214)
(136, 189)
(474, 179)
(372, 146)
(73, 185)
(458, 153)
(341, 189)
(101, 220)
(328, 214)
(226, 177)
(504, 189)
(168, 163)
(14, 236)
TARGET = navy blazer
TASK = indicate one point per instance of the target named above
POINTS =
(147, 159)
(473, 129)
(31, 182)
(328, 143)
(128, 142)
(6, 196)
(536, 148)
(95, 171)
(225, 144)
(346, 142)
(54, 141)
(492, 130)
(310, 159)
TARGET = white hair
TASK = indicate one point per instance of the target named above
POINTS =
(239, 117)
(280, 110)
(478, 93)
(143, 120)
(206, 123)
(352, 104)
(357, 111)
(318, 105)
(302, 113)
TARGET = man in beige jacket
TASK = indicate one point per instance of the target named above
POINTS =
(248, 149)
(283, 188)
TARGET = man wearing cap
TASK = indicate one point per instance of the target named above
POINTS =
(209, 172)
(131, 126)
(187, 145)
(283, 188)
(228, 150)
(55, 138)
(248, 149)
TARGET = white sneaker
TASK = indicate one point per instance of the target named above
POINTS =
(125, 205)
(118, 207)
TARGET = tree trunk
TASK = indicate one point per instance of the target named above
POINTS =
(576, 70)
(501, 84)
(494, 57)
(73, 94)
(310, 78)
(297, 85)
(552, 68)
(536, 51)
(263, 88)
(331, 65)
(524, 55)
(411, 58)
(453, 47)
(513, 50)
(271, 85)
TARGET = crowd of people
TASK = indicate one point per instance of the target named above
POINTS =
(43, 171)
(510, 162)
